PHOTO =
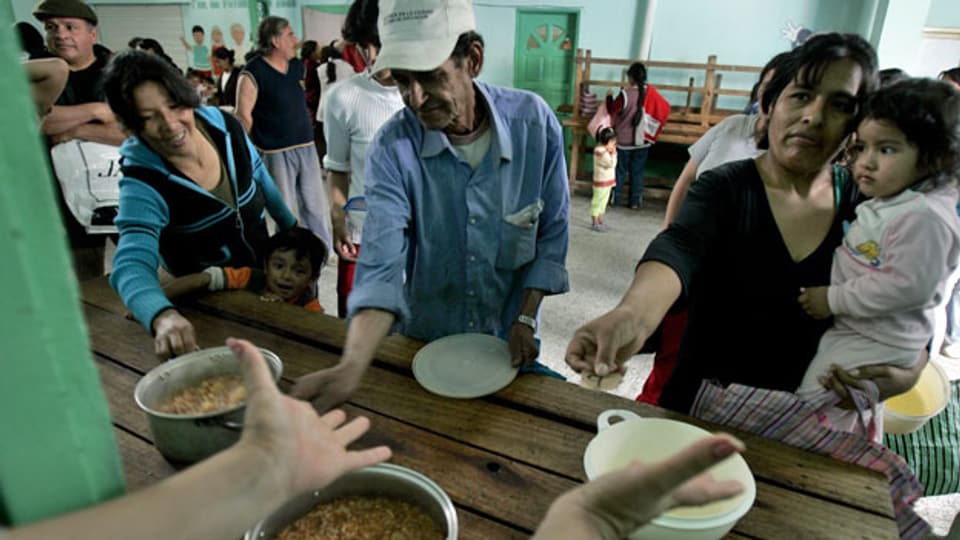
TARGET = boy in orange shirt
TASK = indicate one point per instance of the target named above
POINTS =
(290, 271)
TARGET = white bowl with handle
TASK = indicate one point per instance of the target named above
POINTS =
(651, 440)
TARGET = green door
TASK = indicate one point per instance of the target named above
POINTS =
(543, 59)
(544, 54)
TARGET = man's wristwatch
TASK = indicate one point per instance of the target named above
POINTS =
(527, 321)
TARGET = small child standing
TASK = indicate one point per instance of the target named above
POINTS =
(890, 271)
(604, 175)
(292, 265)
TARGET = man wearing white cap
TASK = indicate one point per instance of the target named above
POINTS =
(467, 197)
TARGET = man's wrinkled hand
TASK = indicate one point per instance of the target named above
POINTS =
(523, 344)
(328, 388)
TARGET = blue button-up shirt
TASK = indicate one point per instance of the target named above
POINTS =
(448, 249)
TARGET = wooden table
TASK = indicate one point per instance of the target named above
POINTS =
(501, 459)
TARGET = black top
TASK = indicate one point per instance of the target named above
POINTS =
(227, 95)
(84, 86)
(280, 118)
(745, 324)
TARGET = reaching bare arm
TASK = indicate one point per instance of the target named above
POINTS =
(601, 345)
(332, 386)
(679, 191)
(285, 449)
(339, 190)
(185, 285)
(246, 99)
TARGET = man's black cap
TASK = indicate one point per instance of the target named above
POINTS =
(64, 8)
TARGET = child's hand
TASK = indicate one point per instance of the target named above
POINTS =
(813, 300)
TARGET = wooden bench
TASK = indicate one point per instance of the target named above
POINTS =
(687, 122)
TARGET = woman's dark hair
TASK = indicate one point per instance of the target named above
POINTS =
(134, 43)
(303, 243)
(927, 111)
(637, 72)
(360, 25)
(307, 48)
(952, 74)
(327, 54)
(462, 47)
(269, 28)
(807, 64)
(891, 76)
(224, 53)
(153, 46)
(128, 70)
(199, 75)
(31, 41)
(605, 134)
(197, 28)
(773, 64)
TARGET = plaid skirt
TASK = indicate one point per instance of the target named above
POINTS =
(784, 417)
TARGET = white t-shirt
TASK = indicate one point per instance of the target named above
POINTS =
(342, 71)
(730, 140)
(355, 110)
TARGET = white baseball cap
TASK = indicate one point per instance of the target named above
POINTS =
(419, 35)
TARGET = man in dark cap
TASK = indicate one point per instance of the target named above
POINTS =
(80, 112)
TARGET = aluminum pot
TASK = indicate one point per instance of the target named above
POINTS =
(187, 438)
(385, 480)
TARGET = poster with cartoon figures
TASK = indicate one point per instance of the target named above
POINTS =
(214, 24)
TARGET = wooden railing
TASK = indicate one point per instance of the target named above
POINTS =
(687, 121)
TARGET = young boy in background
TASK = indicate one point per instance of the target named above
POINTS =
(291, 267)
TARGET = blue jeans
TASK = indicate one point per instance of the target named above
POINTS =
(630, 162)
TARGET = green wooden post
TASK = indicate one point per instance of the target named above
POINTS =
(254, 10)
(57, 447)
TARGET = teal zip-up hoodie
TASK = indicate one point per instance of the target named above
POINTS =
(165, 218)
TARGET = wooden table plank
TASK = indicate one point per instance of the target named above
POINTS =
(143, 466)
(495, 431)
(773, 461)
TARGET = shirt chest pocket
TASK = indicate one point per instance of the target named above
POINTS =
(518, 237)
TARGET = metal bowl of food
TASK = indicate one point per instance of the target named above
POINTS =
(302, 517)
(195, 402)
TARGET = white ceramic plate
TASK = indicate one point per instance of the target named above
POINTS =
(464, 366)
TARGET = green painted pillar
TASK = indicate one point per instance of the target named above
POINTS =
(57, 447)
(255, 7)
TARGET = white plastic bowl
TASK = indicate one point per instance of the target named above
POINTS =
(654, 439)
(909, 411)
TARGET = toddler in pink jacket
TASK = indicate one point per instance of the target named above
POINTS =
(890, 271)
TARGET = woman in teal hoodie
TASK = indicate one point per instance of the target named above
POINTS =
(193, 194)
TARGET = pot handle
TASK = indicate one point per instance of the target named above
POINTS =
(219, 422)
(603, 420)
